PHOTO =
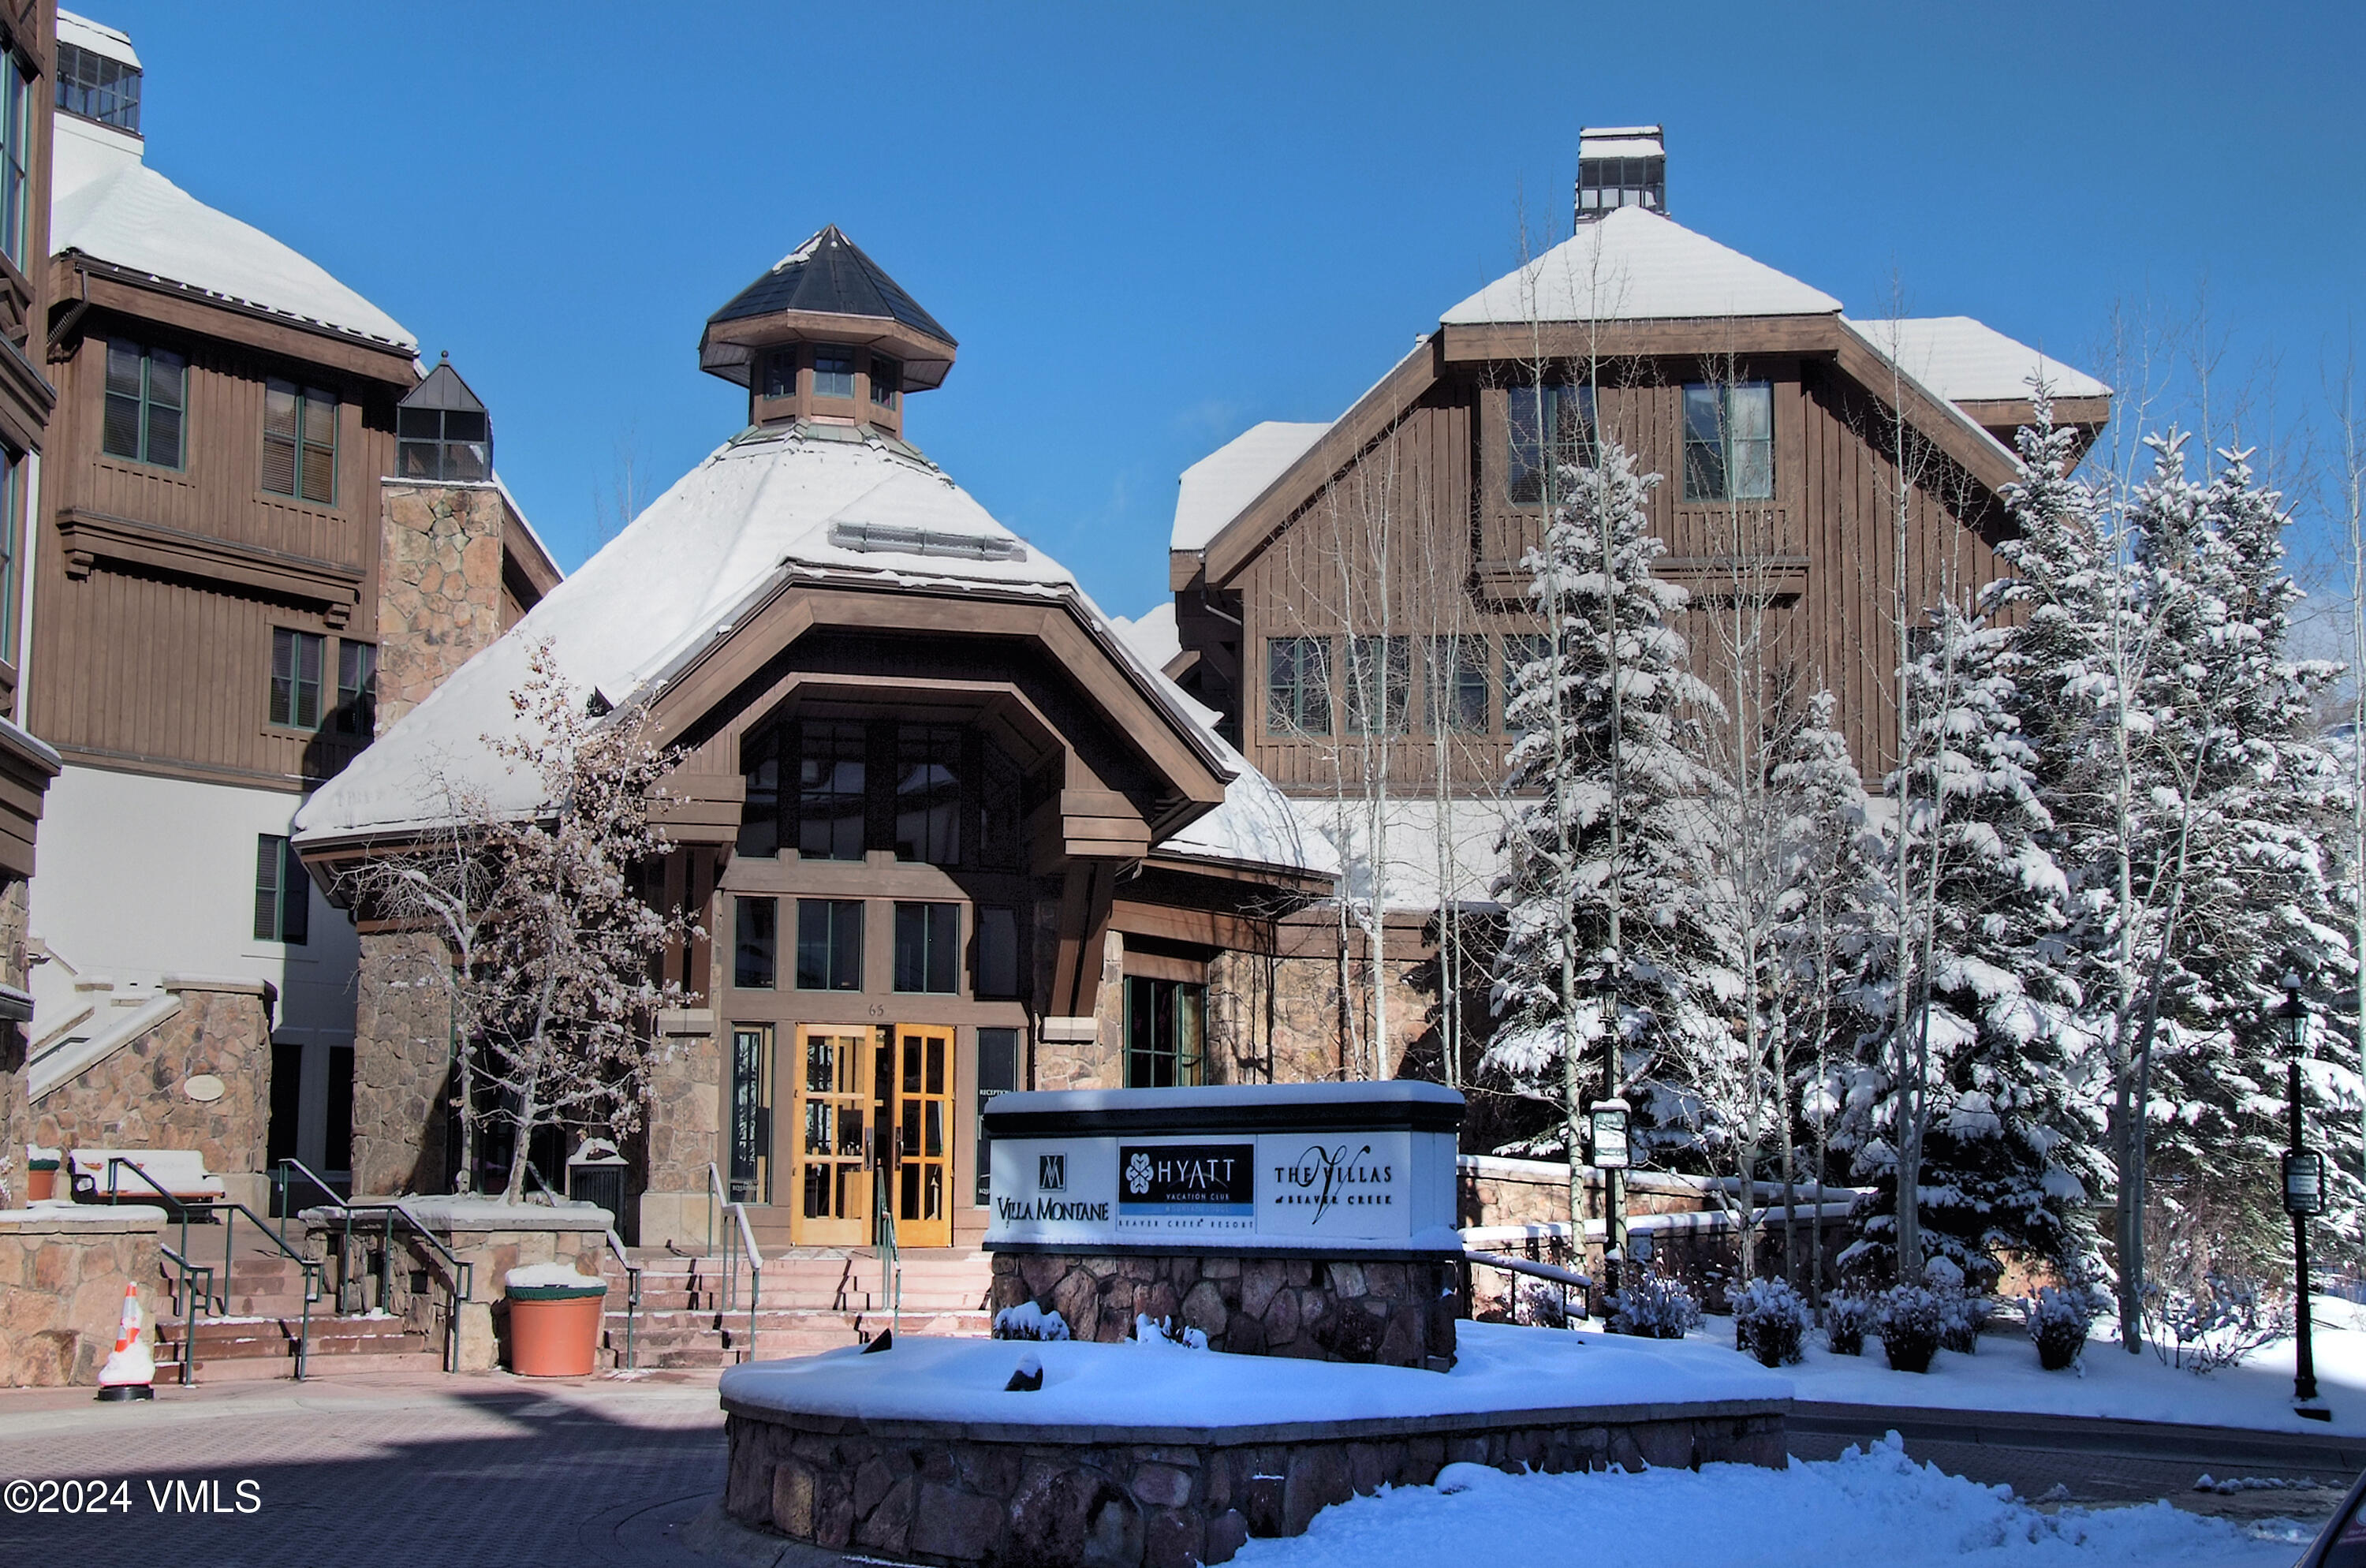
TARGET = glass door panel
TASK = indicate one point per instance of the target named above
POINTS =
(834, 1092)
(924, 1084)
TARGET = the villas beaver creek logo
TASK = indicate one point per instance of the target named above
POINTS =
(1343, 1176)
(1051, 1176)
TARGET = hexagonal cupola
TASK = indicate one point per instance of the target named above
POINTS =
(826, 336)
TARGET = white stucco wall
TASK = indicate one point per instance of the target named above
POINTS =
(140, 878)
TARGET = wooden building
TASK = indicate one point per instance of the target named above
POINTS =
(1350, 596)
(948, 835)
(200, 617)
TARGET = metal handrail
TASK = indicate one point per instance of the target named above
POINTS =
(460, 1276)
(1568, 1280)
(189, 1307)
(747, 1239)
(632, 1292)
(215, 1206)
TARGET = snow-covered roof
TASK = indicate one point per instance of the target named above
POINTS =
(793, 502)
(97, 38)
(1621, 141)
(1632, 264)
(108, 205)
(1967, 361)
(1218, 487)
(1152, 634)
(1413, 874)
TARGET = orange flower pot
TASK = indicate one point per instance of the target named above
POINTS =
(40, 1184)
(554, 1331)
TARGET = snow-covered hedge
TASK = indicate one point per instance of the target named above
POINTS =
(1027, 1321)
(1964, 1315)
(1770, 1320)
(1656, 1306)
(2059, 1318)
(1847, 1319)
(1912, 1318)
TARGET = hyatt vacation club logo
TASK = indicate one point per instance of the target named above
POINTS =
(1187, 1187)
(1325, 1179)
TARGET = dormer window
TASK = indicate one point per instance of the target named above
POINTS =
(96, 87)
(780, 373)
(886, 377)
(833, 372)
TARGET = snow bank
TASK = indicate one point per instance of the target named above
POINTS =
(1502, 1368)
(1876, 1507)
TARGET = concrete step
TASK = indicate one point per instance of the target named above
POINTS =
(259, 1368)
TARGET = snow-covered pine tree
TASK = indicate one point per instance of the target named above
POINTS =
(1979, 1064)
(1592, 855)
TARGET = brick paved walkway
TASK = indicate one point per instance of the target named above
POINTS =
(421, 1470)
(453, 1472)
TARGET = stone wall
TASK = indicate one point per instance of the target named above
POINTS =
(930, 1492)
(136, 1096)
(1392, 1312)
(402, 1064)
(63, 1270)
(15, 1114)
(1287, 1011)
(439, 597)
(682, 1131)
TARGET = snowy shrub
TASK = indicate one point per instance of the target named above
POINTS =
(1544, 1304)
(1656, 1306)
(1027, 1321)
(2059, 1317)
(1770, 1321)
(1846, 1319)
(1163, 1333)
(2215, 1322)
(1911, 1319)
(1962, 1316)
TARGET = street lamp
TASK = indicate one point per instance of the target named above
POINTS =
(2303, 1173)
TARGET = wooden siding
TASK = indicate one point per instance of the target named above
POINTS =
(1413, 536)
(156, 654)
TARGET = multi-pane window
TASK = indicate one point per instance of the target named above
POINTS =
(780, 373)
(1165, 1022)
(299, 442)
(283, 905)
(886, 377)
(1003, 812)
(1380, 684)
(1297, 685)
(833, 372)
(1522, 652)
(1552, 429)
(1457, 683)
(830, 945)
(927, 948)
(440, 444)
(96, 87)
(12, 542)
(356, 711)
(296, 678)
(15, 159)
(751, 1113)
(997, 951)
(831, 771)
(146, 396)
(759, 819)
(1730, 441)
(756, 946)
(929, 794)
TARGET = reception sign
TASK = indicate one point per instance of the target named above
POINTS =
(1294, 1166)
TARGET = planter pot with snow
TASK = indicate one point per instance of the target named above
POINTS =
(554, 1320)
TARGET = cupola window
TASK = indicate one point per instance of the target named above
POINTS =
(780, 373)
(96, 87)
(886, 377)
(833, 372)
(442, 432)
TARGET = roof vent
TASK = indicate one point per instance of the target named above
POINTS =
(900, 539)
(1621, 165)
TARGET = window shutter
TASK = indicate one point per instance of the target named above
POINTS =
(294, 896)
(267, 862)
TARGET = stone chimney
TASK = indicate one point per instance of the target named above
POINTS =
(439, 596)
(1621, 165)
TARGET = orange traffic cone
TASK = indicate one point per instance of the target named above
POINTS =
(131, 1373)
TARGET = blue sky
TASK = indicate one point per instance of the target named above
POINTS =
(1151, 227)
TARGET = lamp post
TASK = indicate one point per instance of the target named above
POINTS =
(2303, 1179)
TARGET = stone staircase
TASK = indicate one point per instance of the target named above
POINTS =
(256, 1338)
(813, 1299)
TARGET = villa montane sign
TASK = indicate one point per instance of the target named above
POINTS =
(1292, 1167)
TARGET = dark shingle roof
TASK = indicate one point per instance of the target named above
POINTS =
(830, 275)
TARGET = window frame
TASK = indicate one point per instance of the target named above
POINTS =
(1548, 443)
(928, 914)
(885, 390)
(841, 941)
(1717, 398)
(441, 445)
(16, 161)
(1389, 654)
(12, 551)
(835, 353)
(121, 94)
(755, 941)
(299, 442)
(297, 640)
(1459, 663)
(357, 710)
(280, 878)
(1309, 688)
(146, 402)
(1185, 1069)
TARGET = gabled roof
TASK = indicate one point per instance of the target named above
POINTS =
(1631, 264)
(829, 275)
(1218, 485)
(1967, 361)
(107, 204)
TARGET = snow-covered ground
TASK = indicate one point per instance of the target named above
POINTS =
(1866, 1506)
(2109, 1381)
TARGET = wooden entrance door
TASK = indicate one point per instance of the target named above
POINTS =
(923, 1087)
(834, 1087)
